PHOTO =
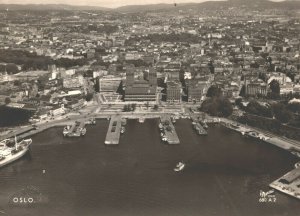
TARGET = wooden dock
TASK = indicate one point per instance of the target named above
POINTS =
(289, 183)
(169, 130)
(114, 130)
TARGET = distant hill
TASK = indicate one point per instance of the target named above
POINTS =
(49, 7)
(213, 5)
(209, 5)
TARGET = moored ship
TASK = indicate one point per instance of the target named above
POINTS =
(10, 154)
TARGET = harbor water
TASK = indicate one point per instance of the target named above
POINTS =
(224, 174)
(10, 117)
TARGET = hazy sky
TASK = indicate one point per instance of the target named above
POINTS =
(102, 3)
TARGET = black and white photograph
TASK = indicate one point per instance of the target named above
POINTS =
(149, 108)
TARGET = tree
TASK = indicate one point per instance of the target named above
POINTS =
(275, 88)
(214, 91)
(262, 76)
(257, 109)
(217, 106)
(7, 100)
(281, 113)
(133, 107)
(238, 102)
(243, 91)
(89, 97)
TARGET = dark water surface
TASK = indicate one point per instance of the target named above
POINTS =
(223, 175)
(13, 116)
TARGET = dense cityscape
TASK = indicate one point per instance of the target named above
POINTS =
(230, 64)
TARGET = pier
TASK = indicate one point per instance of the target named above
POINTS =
(114, 130)
(198, 126)
(77, 129)
(289, 183)
(169, 130)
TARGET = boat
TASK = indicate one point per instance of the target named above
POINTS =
(160, 126)
(66, 130)
(179, 167)
(173, 120)
(82, 131)
(122, 130)
(204, 125)
(123, 122)
(91, 121)
(252, 134)
(141, 120)
(296, 153)
(164, 139)
(200, 130)
(10, 154)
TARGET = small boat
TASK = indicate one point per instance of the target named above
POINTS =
(160, 126)
(204, 125)
(91, 121)
(122, 130)
(141, 120)
(66, 130)
(173, 120)
(164, 139)
(296, 153)
(179, 167)
(82, 131)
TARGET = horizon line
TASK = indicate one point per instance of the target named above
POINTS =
(164, 2)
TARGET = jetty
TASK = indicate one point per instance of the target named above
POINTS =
(114, 130)
(77, 129)
(289, 183)
(199, 126)
(169, 130)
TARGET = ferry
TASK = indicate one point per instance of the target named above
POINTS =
(179, 167)
(10, 154)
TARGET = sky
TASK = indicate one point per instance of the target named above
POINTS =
(101, 3)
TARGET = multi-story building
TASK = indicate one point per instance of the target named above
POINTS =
(109, 83)
(255, 87)
(73, 82)
(174, 91)
(196, 90)
(140, 89)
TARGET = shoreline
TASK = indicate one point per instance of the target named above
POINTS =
(269, 138)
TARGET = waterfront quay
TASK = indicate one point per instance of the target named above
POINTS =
(289, 183)
(169, 130)
(281, 142)
(114, 130)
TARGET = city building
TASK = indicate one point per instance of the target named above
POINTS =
(140, 88)
(174, 90)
